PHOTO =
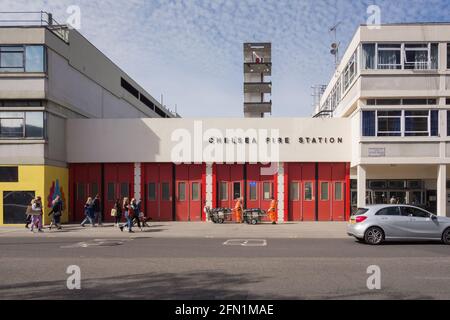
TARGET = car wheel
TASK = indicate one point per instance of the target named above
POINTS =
(446, 236)
(374, 236)
(221, 221)
(254, 222)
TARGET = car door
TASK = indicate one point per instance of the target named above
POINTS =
(392, 222)
(421, 225)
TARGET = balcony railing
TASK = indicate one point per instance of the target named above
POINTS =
(32, 19)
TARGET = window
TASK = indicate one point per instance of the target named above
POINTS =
(338, 191)
(308, 191)
(448, 55)
(124, 190)
(128, 87)
(377, 184)
(416, 123)
(448, 123)
(9, 174)
(396, 184)
(421, 56)
(22, 58)
(368, 56)
(147, 102)
(223, 191)
(350, 71)
(414, 212)
(389, 211)
(34, 59)
(151, 191)
(294, 191)
(81, 192)
(111, 191)
(195, 191)
(182, 191)
(237, 193)
(165, 191)
(267, 190)
(414, 184)
(324, 191)
(368, 123)
(94, 189)
(389, 56)
(253, 191)
(19, 125)
(389, 123)
(15, 205)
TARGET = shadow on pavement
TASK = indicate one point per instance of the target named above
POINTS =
(165, 286)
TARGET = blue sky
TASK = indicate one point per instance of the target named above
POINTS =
(191, 50)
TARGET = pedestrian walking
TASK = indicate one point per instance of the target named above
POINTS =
(128, 212)
(57, 210)
(88, 212)
(28, 215)
(135, 206)
(98, 210)
(116, 212)
(36, 214)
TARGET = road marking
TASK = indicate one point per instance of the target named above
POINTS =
(246, 242)
(97, 243)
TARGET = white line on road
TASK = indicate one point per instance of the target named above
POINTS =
(246, 242)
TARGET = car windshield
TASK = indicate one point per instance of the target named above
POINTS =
(360, 211)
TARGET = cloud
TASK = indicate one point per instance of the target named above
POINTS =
(191, 50)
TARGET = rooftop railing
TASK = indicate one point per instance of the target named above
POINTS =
(33, 19)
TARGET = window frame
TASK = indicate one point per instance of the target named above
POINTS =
(341, 194)
(23, 120)
(312, 191)
(322, 183)
(23, 51)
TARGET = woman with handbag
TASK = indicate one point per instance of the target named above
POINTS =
(89, 212)
(116, 212)
(126, 209)
(36, 214)
(57, 209)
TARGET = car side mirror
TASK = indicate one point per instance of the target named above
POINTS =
(433, 217)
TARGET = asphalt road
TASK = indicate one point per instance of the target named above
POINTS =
(155, 268)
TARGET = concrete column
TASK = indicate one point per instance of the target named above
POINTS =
(442, 190)
(137, 181)
(361, 186)
(209, 186)
(280, 195)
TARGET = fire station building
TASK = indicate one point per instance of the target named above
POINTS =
(73, 124)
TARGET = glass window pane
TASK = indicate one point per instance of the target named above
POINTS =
(152, 191)
(181, 191)
(294, 191)
(35, 59)
(34, 124)
(11, 115)
(94, 189)
(15, 205)
(389, 211)
(369, 55)
(368, 123)
(81, 194)
(389, 59)
(11, 60)
(165, 191)
(237, 190)
(223, 191)
(308, 191)
(267, 187)
(338, 191)
(111, 192)
(253, 191)
(124, 190)
(324, 191)
(11, 128)
(9, 174)
(195, 191)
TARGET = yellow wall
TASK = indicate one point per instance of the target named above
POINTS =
(39, 179)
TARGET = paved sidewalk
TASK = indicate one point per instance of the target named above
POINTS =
(291, 230)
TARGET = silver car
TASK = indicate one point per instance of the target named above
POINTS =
(377, 223)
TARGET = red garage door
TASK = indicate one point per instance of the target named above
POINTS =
(158, 186)
(302, 191)
(230, 184)
(118, 184)
(85, 181)
(189, 192)
(260, 188)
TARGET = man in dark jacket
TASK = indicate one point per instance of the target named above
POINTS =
(97, 210)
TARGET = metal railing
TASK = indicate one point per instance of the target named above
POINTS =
(34, 18)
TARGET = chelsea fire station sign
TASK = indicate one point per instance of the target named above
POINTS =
(215, 140)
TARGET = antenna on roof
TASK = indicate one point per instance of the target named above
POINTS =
(335, 45)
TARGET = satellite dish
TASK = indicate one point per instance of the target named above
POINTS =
(334, 45)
